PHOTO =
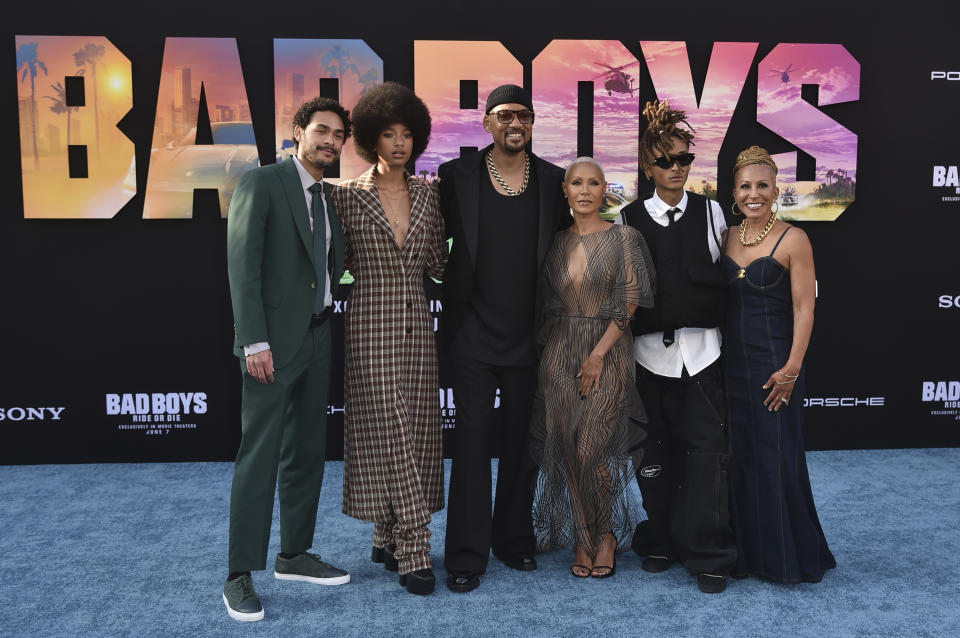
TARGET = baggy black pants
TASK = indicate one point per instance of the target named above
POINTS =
(684, 479)
(472, 529)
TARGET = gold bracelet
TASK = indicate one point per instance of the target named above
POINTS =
(789, 376)
(785, 382)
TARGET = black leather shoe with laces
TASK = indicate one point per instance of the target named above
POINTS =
(241, 599)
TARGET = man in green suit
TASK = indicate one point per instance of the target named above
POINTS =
(285, 251)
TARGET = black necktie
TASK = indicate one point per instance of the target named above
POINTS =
(668, 335)
(319, 246)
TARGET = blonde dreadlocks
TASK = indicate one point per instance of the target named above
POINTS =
(662, 125)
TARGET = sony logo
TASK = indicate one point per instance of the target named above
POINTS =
(842, 402)
(945, 176)
(945, 75)
(30, 414)
(949, 301)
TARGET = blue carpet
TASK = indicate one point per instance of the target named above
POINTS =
(140, 549)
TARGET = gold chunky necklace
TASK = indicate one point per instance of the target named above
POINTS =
(503, 184)
(763, 233)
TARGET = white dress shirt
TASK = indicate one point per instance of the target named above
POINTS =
(306, 181)
(693, 348)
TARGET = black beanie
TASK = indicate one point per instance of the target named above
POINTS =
(509, 94)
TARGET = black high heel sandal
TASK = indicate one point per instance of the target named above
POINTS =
(574, 567)
(612, 568)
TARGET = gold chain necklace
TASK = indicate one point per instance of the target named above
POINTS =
(763, 233)
(503, 184)
(390, 201)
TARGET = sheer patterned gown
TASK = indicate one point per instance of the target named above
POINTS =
(588, 448)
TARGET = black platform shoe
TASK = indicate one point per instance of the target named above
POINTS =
(389, 560)
(420, 582)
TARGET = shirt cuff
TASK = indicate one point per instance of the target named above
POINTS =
(254, 348)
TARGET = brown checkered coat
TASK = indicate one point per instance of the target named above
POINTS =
(393, 450)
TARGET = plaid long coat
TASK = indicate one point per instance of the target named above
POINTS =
(393, 430)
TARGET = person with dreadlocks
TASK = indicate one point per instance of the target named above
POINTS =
(677, 347)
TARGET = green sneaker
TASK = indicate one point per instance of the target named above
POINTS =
(309, 568)
(241, 599)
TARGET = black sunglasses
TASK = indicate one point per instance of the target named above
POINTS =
(505, 116)
(683, 159)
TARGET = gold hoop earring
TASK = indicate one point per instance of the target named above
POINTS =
(777, 204)
(735, 210)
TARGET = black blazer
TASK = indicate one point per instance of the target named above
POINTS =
(459, 201)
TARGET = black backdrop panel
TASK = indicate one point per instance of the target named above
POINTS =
(118, 330)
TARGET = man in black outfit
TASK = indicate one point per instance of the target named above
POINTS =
(677, 347)
(502, 206)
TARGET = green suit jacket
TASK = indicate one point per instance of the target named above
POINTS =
(270, 260)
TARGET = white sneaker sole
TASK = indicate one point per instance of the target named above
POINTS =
(241, 615)
(333, 580)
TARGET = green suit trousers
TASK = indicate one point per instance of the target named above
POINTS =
(284, 427)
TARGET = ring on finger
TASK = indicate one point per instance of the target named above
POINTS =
(785, 400)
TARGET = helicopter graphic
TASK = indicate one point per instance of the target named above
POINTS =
(616, 80)
(785, 74)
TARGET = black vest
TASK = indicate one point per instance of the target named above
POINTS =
(691, 291)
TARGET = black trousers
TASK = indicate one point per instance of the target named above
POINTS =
(471, 530)
(684, 479)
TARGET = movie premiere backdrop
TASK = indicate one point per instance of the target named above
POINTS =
(125, 134)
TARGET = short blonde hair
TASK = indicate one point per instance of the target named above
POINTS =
(584, 160)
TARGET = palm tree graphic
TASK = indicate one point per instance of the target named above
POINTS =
(337, 61)
(369, 79)
(28, 61)
(59, 104)
(91, 54)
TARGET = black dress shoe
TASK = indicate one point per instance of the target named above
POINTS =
(389, 560)
(523, 563)
(463, 582)
(712, 583)
(419, 582)
(656, 564)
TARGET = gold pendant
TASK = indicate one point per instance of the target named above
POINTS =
(741, 273)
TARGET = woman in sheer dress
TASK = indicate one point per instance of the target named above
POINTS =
(586, 433)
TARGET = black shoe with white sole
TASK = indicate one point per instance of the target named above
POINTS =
(309, 568)
(241, 599)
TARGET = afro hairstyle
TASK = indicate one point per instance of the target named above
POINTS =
(382, 106)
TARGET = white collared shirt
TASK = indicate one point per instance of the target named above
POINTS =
(306, 181)
(693, 348)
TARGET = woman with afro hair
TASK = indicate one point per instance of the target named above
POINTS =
(393, 450)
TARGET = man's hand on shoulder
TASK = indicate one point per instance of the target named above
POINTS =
(260, 366)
